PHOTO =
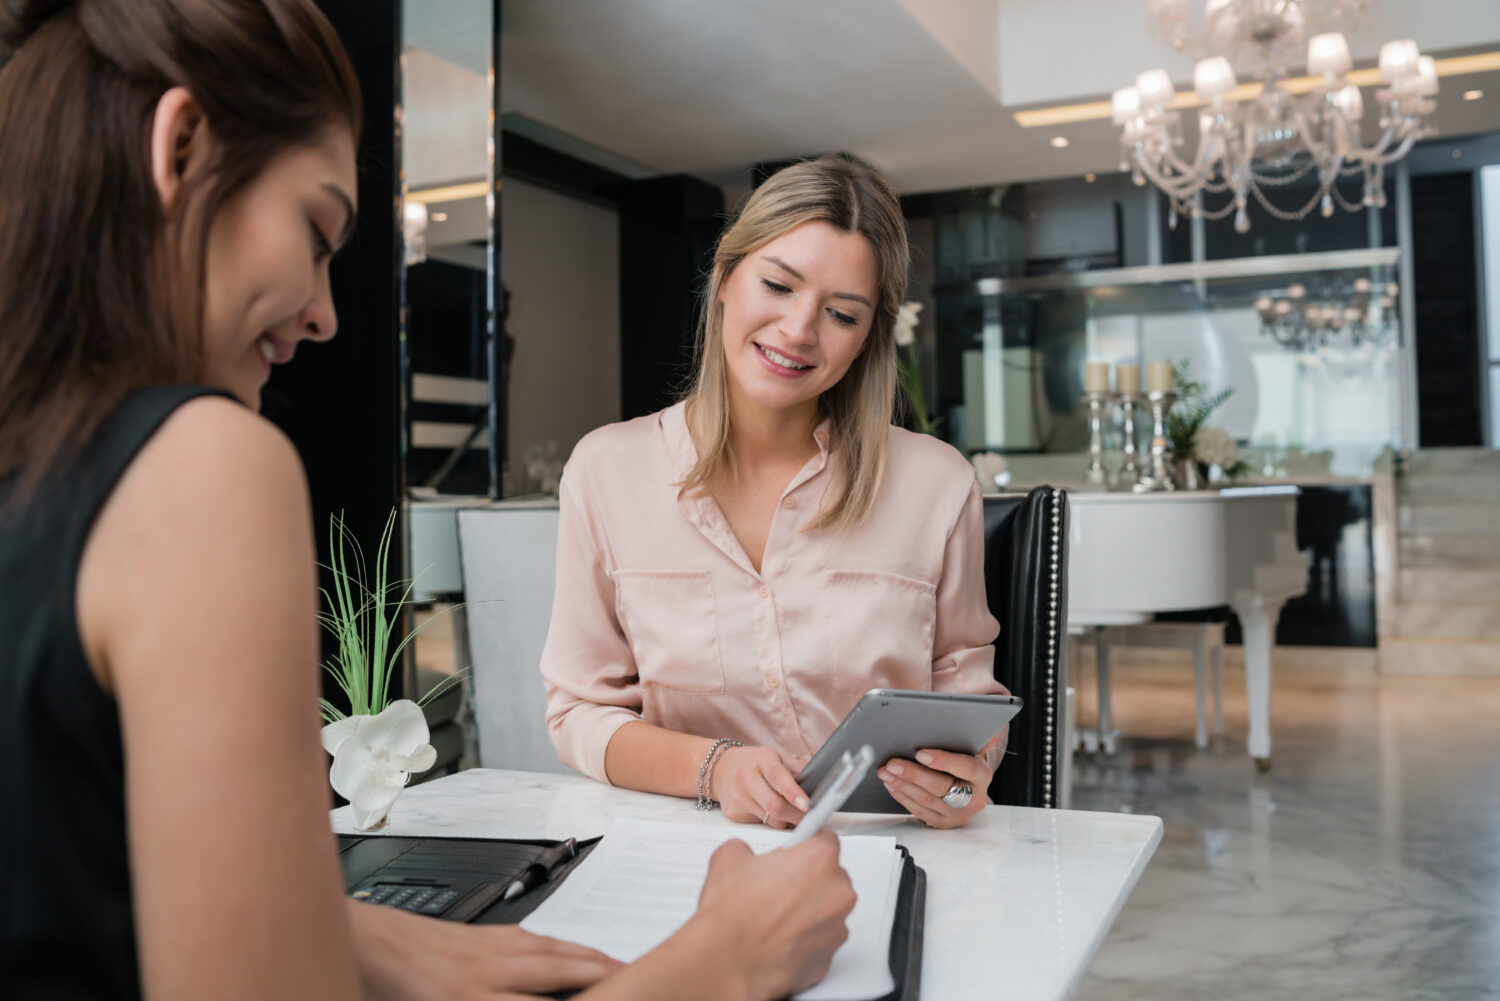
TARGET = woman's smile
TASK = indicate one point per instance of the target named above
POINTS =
(787, 366)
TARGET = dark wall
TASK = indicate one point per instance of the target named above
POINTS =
(340, 402)
(1447, 312)
(668, 226)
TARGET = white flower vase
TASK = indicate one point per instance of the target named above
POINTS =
(374, 757)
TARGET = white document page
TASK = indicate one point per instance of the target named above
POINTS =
(641, 883)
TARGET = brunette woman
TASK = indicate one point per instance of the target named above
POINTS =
(177, 175)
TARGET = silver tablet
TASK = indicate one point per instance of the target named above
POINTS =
(898, 724)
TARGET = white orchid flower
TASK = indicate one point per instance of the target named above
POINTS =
(375, 756)
(906, 323)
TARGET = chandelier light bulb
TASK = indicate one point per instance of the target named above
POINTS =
(1213, 78)
(1328, 56)
(1398, 60)
(1282, 308)
(1296, 291)
(1362, 286)
(1350, 102)
(1386, 302)
(1264, 306)
(1427, 78)
(1127, 104)
(1155, 88)
(1393, 290)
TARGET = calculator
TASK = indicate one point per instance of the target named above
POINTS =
(456, 879)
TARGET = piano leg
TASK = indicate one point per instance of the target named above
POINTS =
(1106, 727)
(1200, 668)
(1258, 616)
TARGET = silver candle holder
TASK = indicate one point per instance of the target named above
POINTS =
(1095, 477)
(1130, 473)
(1160, 473)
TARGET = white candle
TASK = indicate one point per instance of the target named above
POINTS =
(1096, 377)
(1159, 377)
(1128, 379)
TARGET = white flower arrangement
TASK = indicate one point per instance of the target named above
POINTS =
(1215, 447)
(377, 745)
(907, 318)
(375, 756)
(544, 466)
(908, 365)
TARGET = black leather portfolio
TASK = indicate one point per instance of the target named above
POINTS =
(464, 879)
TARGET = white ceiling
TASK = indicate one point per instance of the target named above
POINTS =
(923, 89)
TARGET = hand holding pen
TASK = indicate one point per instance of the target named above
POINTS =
(832, 792)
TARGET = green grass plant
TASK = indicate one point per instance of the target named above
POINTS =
(364, 614)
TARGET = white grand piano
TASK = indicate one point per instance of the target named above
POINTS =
(1132, 555)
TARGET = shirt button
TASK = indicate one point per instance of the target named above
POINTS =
(763, 591)
(790, 502)
(772, 681)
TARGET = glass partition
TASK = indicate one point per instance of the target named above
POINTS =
(1309, 346)
(448, 173)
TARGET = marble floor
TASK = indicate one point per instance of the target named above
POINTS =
(1364, 865)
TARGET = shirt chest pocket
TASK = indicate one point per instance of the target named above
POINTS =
(877, 630)
(672, 625)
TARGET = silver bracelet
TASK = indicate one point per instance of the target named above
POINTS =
(706, 772)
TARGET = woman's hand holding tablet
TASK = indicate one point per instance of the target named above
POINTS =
(920, 785)
(936, 750)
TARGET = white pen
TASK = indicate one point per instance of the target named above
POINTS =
(831, 793)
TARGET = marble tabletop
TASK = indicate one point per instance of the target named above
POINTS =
(1017, 902)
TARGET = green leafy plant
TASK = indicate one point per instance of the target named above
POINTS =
(1192, 409)
(1189, 415)
(910, 375)
(364, 615)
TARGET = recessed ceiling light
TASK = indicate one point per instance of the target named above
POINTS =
(1473, 95)
(1089, 177)
(439, 217)
(1058, 142)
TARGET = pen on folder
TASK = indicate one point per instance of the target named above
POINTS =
(535, 874)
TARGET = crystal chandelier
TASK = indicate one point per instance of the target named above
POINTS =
(1252, 143)
(1352, 315)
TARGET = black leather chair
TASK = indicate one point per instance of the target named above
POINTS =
(1025, 579)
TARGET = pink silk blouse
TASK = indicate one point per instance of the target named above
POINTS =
(659, 614)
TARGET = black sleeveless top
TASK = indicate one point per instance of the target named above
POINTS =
(66, 926)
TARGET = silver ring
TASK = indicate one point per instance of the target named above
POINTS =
(958, 795)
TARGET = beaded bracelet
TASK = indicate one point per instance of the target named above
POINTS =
(706, 772)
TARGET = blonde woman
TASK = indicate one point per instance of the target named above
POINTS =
(734, 571)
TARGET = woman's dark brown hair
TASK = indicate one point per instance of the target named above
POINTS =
(101, 291)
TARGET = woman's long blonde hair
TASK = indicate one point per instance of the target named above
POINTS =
(853, 198)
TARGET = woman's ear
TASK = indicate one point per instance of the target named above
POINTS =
(179, 139)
